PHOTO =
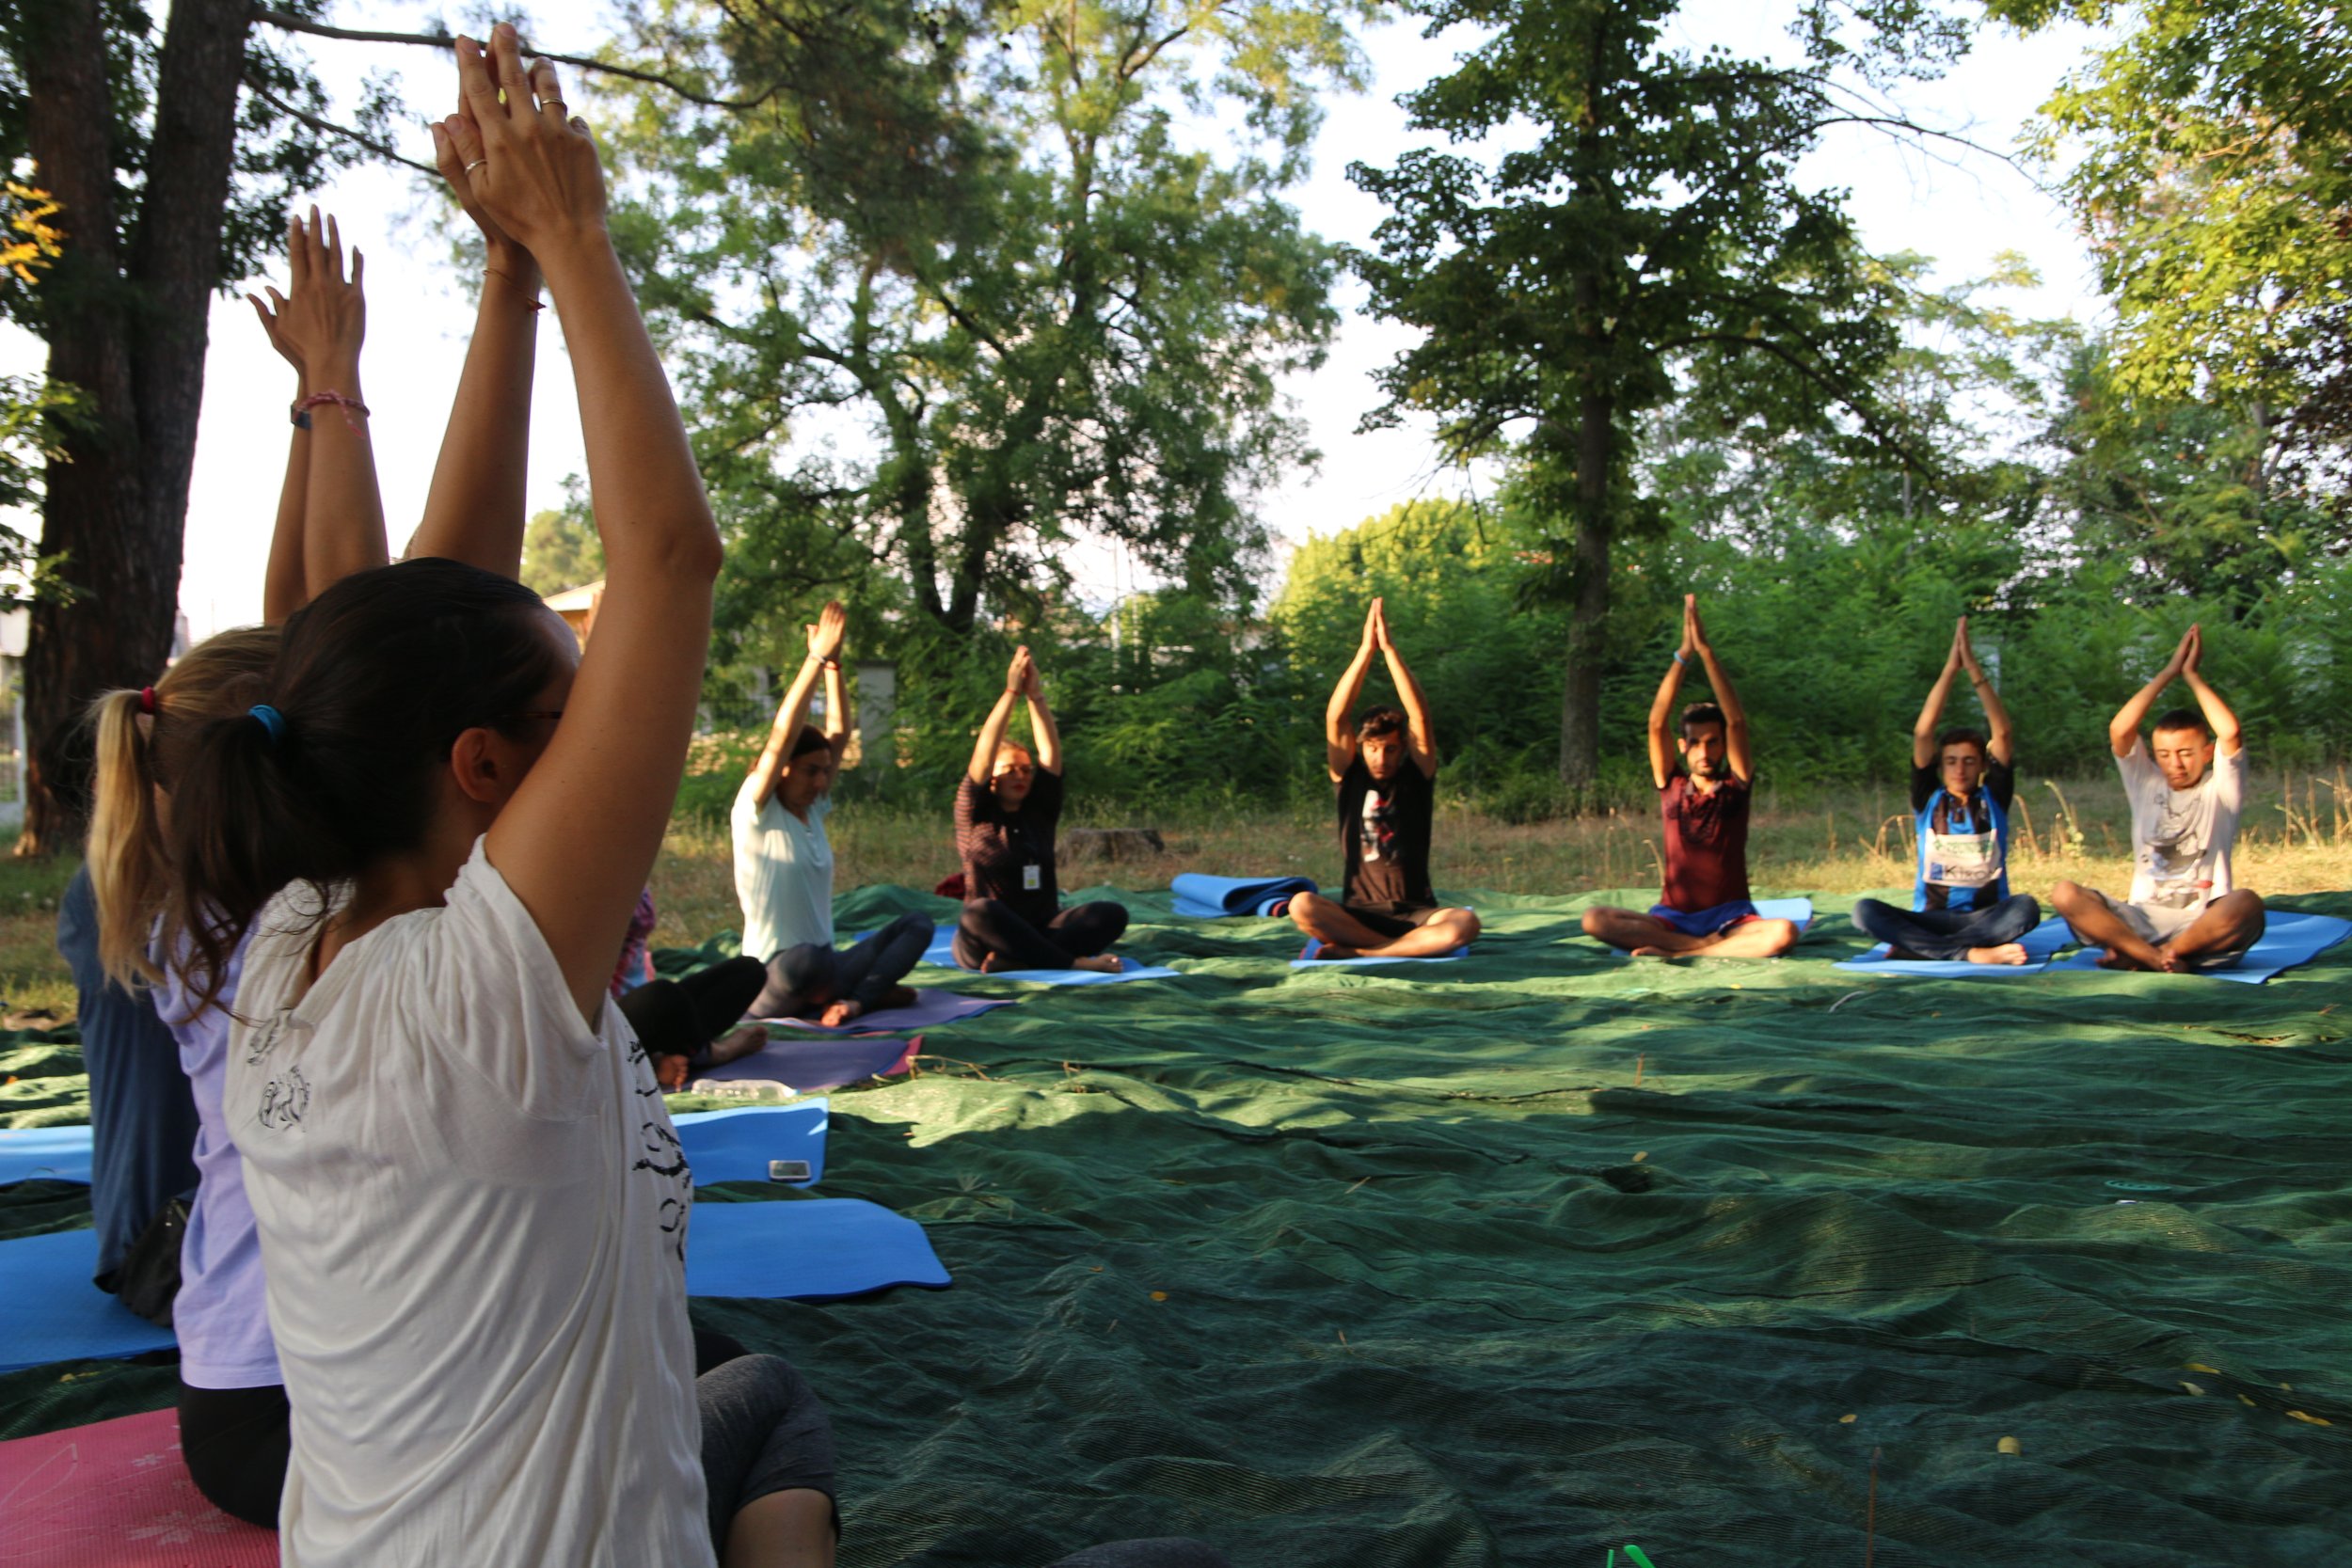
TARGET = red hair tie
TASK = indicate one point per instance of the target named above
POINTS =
(147, 699)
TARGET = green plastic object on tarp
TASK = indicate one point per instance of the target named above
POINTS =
(1348, 1268)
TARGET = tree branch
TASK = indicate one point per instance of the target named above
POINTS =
(328, 127)
(287, 22)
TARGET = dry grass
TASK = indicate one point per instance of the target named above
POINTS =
(2296, 837)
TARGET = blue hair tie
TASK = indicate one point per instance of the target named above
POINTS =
(273, 723)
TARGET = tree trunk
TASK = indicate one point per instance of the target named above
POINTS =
(129, 334)
(1579, 693)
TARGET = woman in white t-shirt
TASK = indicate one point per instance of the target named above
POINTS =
(472, 1204)
(783, 862)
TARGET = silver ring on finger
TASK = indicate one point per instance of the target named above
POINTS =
(475, 165)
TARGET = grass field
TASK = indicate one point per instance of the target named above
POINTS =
(2296, 838)
(1525, 1257)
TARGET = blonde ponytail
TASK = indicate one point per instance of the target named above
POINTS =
(126, 842)
(129, 867)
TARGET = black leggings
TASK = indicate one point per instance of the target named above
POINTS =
(989, 927)
(762, 1431)
(803, 981)
(234, 1442)
(680, 1018)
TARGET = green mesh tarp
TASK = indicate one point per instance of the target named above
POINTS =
(1526, 1256)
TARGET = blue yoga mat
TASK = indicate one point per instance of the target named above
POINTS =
(1200, 897)
(2287, 941)
(797, 1133)
(1307, 960)
(50, 1311)
(756, 1143)
(942, 952)
(817, 1249)
(2039, 943)
(59, 1153)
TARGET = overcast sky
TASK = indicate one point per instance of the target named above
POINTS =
(1959, 207)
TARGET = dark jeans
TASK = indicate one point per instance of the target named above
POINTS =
(235, 1443)
(1947, 934)
(990, 926)
(803, 981)
(680, 1018)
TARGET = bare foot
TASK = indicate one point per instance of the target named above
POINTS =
(1652, 953)
(1107, 963)
(988, 963)
(2115, 957)
(2007, 953)
(839, 1014)
(736, 1044)
(1329, 950)
(671, 1074)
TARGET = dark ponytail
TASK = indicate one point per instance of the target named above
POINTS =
(375, 678)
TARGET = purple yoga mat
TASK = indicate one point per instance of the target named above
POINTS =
(810, 1065)
(935, 1006)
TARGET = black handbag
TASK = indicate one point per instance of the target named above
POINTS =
(149, 1277)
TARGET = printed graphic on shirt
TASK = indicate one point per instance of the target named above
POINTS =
(659, 1150)
(1962, 850)
(285, 1099)
(1379, 837)
(2178, 841)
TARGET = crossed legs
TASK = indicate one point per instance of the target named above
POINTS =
(2230, 923)
(1343, 935)
(1646, 936)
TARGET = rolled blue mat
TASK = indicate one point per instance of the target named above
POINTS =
(1204, 898)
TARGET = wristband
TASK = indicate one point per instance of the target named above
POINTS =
(1679, 660)
(301, 411)
(534, 300)
(830, 664)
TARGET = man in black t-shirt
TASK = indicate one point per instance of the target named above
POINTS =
(1386, 769)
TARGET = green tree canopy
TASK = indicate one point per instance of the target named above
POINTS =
(1645, 231)
(954, 287)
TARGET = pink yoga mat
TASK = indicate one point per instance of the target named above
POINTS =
(115, 1496)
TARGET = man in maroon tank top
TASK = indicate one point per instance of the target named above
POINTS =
(1703, 908)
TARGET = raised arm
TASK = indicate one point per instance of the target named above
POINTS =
(2124, 729)
(1661, 708)
(836, 706)
(1735, 717)
(1930, 711)
(983, 764)
(611, 769)
(282, 584)
(1999, 740)
(824, 648)
(1042, 725)
(1338, 730)
(2227, 737)
(473, 510)
(1420, 741)
(323, 320)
